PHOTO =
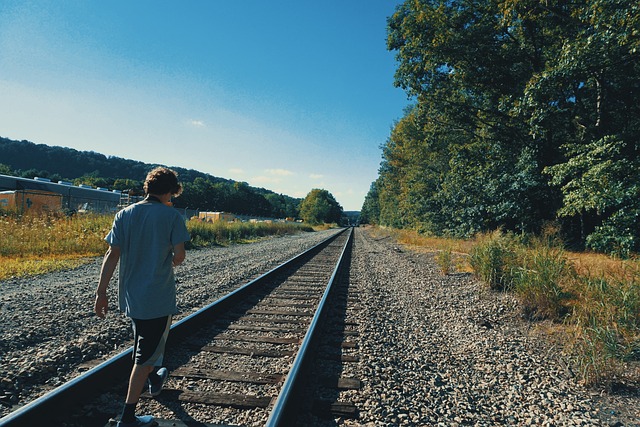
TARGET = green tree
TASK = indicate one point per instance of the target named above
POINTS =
(282, 206)
(320, 207)
(587, 102)
(127, 184)
(412, 164)
(243, 199)
(600, 181)
(370, 212)
(462, 161)
(6, 169)
(93, 179)
(204, 194)
(521, 106)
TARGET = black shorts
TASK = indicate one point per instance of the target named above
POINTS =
(150, 338)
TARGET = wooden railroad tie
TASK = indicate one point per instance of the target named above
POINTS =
(161, 422)
(296, 321)
(333, 409)
(253, 352)
(253, 338)
(233, 376)
(280, 313)
(239, 401)
(266, 329)
(342, 383)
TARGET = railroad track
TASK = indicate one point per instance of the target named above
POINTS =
(247, 358)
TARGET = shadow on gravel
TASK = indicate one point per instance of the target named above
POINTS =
(624, 389)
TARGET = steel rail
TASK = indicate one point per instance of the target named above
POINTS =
(41, 410)
(284, 409)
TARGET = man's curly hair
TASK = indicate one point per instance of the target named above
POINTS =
(162, 180)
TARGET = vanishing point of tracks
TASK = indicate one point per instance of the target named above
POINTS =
(259, 344)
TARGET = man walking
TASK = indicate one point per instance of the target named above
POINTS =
(147, 238)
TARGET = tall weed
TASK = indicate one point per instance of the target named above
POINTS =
(444, 259)
(52, 234)
(533, 267)
(494, 259)
(594, 360)
(35, 244)
(543, 268)
(606, 321)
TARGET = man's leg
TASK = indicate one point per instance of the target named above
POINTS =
(150, 337)
(137, 382)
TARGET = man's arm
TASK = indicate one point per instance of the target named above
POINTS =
(179, 254)
(109, 264)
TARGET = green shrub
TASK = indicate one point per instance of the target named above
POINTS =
(444, 259)
(618, 235)
(538, 281)
(493, 259)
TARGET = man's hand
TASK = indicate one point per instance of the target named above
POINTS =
(101, 306)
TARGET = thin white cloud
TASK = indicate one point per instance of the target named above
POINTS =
(316, 176)
(236, 171)
(279, 172)
(197, 123)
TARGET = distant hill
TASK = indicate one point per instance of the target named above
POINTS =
(202, 191)
(69, 164)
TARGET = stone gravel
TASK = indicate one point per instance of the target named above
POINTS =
(441, 350)
(433, 350)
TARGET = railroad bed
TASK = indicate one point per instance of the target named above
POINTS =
(49, 333)
(239, 359)
(426, 349)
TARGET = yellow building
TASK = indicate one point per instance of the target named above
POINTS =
(216, 216)
(31, 201)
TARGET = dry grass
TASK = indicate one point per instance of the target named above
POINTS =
(36, 244)
(452, 255)
(47, 235)
(221, 233)
(433, 243)
(27, 266)
(322, 227)
(592, 264)
(588, 264)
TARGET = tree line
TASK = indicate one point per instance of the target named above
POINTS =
(524, 112)
(201, 191)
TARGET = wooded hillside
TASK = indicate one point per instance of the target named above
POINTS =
(525, 112)
(201, 191)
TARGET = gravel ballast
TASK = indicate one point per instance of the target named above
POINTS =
(445, 351)
(49, 332)
(433, 349)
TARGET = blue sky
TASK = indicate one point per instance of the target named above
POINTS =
(284, 95)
